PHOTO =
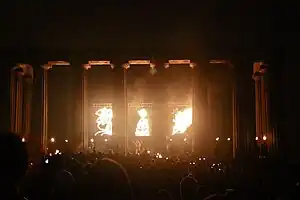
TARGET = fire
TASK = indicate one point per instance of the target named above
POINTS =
(142, 127)
(104, 121)
(182, 121)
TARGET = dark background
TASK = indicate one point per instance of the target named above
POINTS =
(35, 32)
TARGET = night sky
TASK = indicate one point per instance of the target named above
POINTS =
(243, 31)
(209, 29)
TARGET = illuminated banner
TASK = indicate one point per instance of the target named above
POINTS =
(140, 119)
(142, 126)
(104, 119)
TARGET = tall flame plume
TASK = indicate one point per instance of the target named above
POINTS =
(182, 121)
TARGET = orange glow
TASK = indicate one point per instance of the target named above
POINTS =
(182, 121)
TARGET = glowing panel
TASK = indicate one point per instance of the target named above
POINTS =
(104, 121)
(139, 62)
(179, 62)
(99, 62)
(142, 127)
(182, 120)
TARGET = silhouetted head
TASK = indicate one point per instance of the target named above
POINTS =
(63, 185)
(188, 187)
(163, 195)
(110, 181)
(13, 159)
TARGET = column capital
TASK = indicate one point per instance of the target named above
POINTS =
(126, 66)
(256, 76)
(23, 70)
(23, 65)
(193, 65)
(47, 67)
(87, 66)
(260, 67)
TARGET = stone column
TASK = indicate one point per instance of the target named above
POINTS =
(44, 137)
(28, 86)
(20, 101)
(84, 111)
(263, 134)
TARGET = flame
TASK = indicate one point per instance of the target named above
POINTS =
(182, 121)
(142, 127)
(104, 121)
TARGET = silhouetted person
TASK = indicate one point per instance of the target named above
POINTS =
(109, 181)
(163, 195)
(13, 164)
(63, 185)
(188, 188)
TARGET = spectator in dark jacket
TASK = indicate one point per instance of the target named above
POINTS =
(13, 164)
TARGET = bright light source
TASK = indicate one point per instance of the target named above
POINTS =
(142, 127)
(56, 152)
(52, 140)
(228, 139)
(148, 152)
(264, 138)
(170, 139)
(184, 139)
(182, 121)
(46, 161)
(66, 141)
(256, 138)
(104, 121)
(105, 140)
(92, 140)
(217, 139)
(23, 140)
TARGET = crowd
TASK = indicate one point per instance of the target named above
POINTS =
(111, 176)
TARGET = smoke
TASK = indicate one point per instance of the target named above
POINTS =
(137, 91)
